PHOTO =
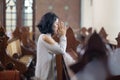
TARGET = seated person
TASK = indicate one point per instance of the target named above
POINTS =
(82, 39)
(114, 58)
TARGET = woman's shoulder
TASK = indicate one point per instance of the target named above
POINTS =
(47, 38)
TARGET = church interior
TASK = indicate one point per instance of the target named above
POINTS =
(84, 19)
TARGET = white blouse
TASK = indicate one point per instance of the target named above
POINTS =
(46, 57)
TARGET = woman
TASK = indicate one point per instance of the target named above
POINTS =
(47, 47)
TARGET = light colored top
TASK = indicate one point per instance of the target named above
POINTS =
(94, 70)
(114, 62)
(45, 57)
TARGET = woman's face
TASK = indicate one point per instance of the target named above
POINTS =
(55, 26)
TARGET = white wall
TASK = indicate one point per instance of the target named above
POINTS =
(104, 13)
(86, 15)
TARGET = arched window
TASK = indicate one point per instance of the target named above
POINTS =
(28, 13)
(19, 13)
(10, 14)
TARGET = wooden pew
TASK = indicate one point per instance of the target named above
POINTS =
(62, 72)
(59, 67)
(4, 58)
(9, 75)
(104, 35)
(14, 48)
(72, 43)
(28, 49)
(27, 45)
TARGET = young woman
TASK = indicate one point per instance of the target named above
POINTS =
(47, 47)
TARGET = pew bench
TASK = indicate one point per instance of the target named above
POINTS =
(9, 75)
(15, 52)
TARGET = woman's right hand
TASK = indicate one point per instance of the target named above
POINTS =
(61, 29)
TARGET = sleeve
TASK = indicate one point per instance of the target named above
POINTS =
(57, 48)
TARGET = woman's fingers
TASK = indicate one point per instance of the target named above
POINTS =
(61, 28)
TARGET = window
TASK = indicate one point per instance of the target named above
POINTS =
(28, 13)
(19, 13)
(10, 14)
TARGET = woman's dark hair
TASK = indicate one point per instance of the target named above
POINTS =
(46, 23)
(95, 49)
